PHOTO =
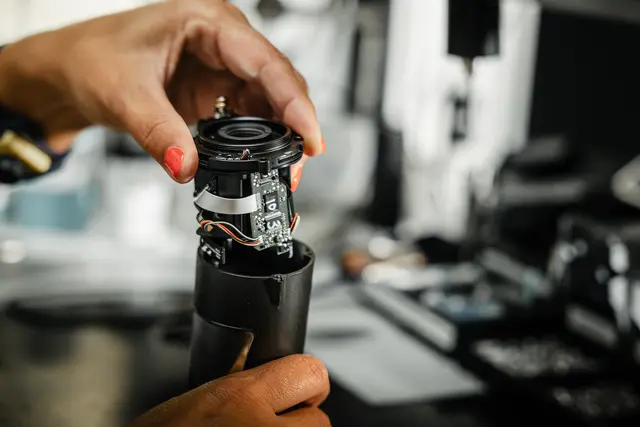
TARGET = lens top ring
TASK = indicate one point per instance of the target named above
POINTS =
(244, 132)
(239, 133)
(246, 144)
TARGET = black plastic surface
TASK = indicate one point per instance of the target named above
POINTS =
(268, 145)
(242, 297)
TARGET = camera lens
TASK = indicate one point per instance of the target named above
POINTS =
(233, 135)
(243, 186)
(253, 281)
(245, 132)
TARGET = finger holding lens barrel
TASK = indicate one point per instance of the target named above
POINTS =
(256, 397)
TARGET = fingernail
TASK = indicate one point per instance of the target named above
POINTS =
(296, 175)
(324, 147)
(173, 160)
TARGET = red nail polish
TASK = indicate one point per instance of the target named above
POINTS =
(173, 160)
(295, 180)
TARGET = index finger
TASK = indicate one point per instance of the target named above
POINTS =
(249, 56)
(290, 381)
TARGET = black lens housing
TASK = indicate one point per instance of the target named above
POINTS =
(221, 143)
(249, 313)
(253, 280)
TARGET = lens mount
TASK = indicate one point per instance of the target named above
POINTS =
(246, 144)
(243, 186)
(244, 132)
(253, 280)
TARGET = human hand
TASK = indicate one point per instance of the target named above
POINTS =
(251, 398)
(153, 71)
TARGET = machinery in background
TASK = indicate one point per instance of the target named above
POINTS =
(541, 69)
(581, 127)
(540, 297)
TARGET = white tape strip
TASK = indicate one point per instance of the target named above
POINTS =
(212, 203)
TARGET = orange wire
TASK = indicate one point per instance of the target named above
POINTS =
(227, 231)
(293, 221)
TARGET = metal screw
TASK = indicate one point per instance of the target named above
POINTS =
(220, 107)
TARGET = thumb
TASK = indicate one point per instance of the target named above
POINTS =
(161, 132)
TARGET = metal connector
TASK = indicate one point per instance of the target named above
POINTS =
(16, 146)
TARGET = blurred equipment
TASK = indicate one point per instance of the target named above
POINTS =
(473, 29)
(71, 196)
(592, 264)
(24, 153)
(536, 290)
(98, 357)
(542, 69)
(253, 280)
(579, 151)
(31, 157)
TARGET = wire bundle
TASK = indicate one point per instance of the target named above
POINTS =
(294, 222)
(237, 235)
(227, 228)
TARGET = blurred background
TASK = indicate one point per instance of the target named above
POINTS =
(475, 218)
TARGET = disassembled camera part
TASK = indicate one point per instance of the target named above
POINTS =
(220, 108)
(253, 280)
(243, 183)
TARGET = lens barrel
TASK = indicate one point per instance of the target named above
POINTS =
(253, 280)
(250, 313)
(243, 184)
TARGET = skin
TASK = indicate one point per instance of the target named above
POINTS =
(251, 398)
(152, 71)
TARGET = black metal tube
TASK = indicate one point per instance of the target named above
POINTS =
(249, 311)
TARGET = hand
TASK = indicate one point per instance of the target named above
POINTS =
(152, 71)
(251, 398)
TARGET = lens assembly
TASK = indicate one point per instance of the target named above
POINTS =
(253, 281)
(243, 185)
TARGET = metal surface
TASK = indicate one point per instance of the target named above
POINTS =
(13, 145)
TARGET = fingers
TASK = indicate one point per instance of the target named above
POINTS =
(288, 97)
(290, 381)
(296, 172)
(236, 13)
(308, 417)
(159, 129)
(195, 87)
(251, 398)
(248, 55)
(252, 101)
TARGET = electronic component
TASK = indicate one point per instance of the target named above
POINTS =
(253, 281)
(243, 184)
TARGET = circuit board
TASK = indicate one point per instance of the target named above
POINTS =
(271, 221)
